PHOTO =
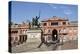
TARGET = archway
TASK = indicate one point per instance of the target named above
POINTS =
(54, 35)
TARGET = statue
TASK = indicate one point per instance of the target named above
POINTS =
(35, 22)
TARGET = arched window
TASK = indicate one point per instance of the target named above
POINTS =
(45, 24)
(64, 23)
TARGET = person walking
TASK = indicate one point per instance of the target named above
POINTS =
(42, 40)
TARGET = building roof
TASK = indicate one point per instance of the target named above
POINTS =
(55, 18)
(19, 26)
(74, 23)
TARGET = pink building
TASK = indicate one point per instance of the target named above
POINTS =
(64, 28)
(18, 33)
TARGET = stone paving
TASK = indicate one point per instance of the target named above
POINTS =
(32, 47)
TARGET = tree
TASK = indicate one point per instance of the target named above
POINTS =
(33, 22)
(29, 25)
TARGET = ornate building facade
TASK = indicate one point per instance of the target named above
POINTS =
(64, 28)
(18, 33)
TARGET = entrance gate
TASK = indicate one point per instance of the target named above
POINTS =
(54, 35)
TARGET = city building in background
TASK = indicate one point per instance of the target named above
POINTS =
(66, 30)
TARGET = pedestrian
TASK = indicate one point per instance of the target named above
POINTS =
(42, 39)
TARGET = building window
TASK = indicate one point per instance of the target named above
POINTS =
(48, 30)
(16, 38)
(44, 24)
(14, 31)
(64, 23)
(59, 30)
(24, 32)
(54, 23)
(20, 31)
(12, 38)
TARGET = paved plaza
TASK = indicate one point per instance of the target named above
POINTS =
(32, 47)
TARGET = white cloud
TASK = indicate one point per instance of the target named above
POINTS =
(67, 12)
(54, 7)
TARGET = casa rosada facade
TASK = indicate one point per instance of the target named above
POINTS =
(65, 29)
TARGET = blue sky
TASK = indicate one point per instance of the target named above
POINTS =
(24, 11)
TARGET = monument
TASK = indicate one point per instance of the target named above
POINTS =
(34, 33)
